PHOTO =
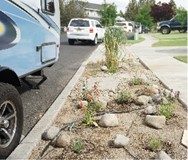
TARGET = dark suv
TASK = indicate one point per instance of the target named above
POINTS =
(165, 27)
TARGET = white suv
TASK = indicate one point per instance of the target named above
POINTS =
(127, 26)
(82, 29)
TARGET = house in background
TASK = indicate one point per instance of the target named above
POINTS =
(92, 10)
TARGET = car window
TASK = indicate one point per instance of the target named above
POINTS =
(98, 25)
(92, 24)
(48, 6)
(79, 23)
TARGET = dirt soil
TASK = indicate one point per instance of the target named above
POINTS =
(97, 142)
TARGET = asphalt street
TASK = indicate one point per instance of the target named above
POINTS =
(37, 102)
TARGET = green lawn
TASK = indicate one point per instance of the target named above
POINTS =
(181, 58)
(172, 39)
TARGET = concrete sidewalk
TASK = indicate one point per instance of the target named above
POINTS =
(171, 72)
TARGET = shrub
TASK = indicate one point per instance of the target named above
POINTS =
(155, 144)
(78, 146)
(167, 110)
(124, 97)
(136, 81)
(114, 37)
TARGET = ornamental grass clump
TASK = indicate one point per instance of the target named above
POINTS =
(114, 37)
(167, 109)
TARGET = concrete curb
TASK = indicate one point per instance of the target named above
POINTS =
(25, 148)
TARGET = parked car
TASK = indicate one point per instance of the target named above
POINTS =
(82, 29)
(165, 27)
(127, 26)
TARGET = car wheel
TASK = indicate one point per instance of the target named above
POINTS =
(11, 119)
(95, 41)
(165, 30)
(71, 41)
(182, 30)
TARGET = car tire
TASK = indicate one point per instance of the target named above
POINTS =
(182, 30)
(95, 41)
(11, 119)
(165, 30)
(71, 41)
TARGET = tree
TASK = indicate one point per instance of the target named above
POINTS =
(132, 10)
(108, 14)
(71, 9)
(173, 5)
(162, 11)
(181, 15)
(144, 17)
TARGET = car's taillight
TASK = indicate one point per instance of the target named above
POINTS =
(91, 30)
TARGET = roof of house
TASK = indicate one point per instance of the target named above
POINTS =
(93, 6)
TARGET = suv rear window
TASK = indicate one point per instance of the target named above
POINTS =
(79, 23)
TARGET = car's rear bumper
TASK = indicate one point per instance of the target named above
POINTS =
(80, 36)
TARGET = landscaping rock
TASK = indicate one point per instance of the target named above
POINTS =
(157, 122)
(157, 98)
(166, 92)
(109, 120)
(154, 89)
(103, 104)
(162, 156)
(150, 100)
(164, 100)
(142, 100)
(83, 104)
(120, 141)
(184, 140)
(63, 140)
(150, 110)
(50, 133)
(104, 68)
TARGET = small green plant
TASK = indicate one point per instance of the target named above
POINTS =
(78, 146)
(124, 97)
(88, 119)
(136, 81)
(155, 144)
(95, 106)
(167, 110)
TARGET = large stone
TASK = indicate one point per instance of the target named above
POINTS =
(157, 122)
(184, 140)
(63, 140)
(142, 100)
(104, 68)
(109, 120)
(50, 133)
(120, 141)
(150, 110)
(157, 98)
(162, 156)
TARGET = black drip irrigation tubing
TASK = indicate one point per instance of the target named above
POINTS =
(42, 154)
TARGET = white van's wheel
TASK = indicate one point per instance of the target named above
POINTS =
(95, 41)
(11, 119)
